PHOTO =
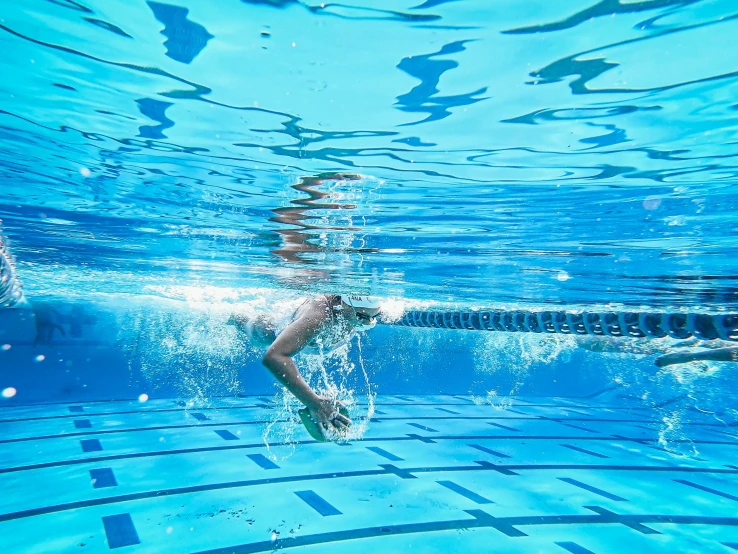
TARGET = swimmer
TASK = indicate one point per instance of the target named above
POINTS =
(322, 323)
(715, 350)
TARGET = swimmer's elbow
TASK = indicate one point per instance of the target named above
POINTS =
(269, 359)
(273, 359)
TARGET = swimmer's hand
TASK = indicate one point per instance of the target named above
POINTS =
(325, 412)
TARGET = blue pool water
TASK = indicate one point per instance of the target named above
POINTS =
(166, 165)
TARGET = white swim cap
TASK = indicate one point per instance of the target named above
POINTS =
(357, 301)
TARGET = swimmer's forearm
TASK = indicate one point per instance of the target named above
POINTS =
(717, 355)
(285, 371)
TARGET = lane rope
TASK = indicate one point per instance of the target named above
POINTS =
(612, 324)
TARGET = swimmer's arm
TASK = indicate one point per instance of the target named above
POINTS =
(717, 355)
(278, 358)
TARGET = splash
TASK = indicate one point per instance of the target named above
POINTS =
(672, 436)
(333, 375)
(511, 357)
(194, 351)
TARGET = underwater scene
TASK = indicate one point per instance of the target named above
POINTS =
(430, 276)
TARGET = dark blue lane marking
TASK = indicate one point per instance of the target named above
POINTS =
(317, 503)
(126, 412)
(603, 391)
(645, 428)
(423, 427)
(645, 442)
(481, 520)
(103, 478)
(402, 473)
(483, 466)
(490, 521)
(199, 416)
(406, 399)
(411, 435)
(633, 525)
(262, 461)
(576, 412)
(707, 489)
(382, 452)
(458, 489)
(180, 403)
(447, 411)
(578, 427)
(671, 400)
(584, 451)
(461, 397)
(226, 435)
(120, 531)
(228, 408)
(733, 545)
(135, 430)
(489, 465)
(517, 412)
(90, 445)
(590, 488)
(489, 450)
(503, 427)
(82, 424)
(76, 409)
(573, 547)
(380, 412)
(723, 434)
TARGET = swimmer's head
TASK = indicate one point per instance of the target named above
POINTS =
(366, 307)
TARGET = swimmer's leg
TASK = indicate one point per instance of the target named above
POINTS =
(259, 330)
(717, 355)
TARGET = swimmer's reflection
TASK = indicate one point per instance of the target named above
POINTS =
(296, 241)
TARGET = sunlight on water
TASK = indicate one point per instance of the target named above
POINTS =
(136, 142)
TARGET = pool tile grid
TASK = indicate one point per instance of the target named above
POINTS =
(467, 476)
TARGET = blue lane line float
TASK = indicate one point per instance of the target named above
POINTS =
(612, 324)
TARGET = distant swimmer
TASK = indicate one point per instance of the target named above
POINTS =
(715, 351)
(321, 325)
(47, 321)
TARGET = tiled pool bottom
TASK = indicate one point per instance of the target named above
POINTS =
(433, 474)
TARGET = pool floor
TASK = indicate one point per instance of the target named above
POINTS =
(433, 474)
